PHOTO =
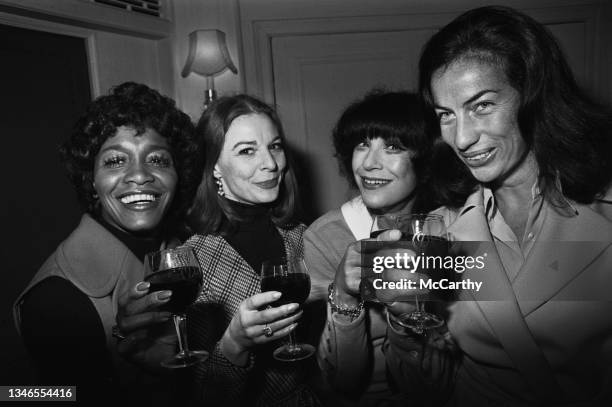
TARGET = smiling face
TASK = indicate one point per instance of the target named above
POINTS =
(384, 174)
(478, 113)
(135, 179)
(252, 160)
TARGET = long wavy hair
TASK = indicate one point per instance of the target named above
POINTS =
(210, 213)
(567, 131)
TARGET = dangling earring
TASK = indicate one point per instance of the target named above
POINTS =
(220, 190)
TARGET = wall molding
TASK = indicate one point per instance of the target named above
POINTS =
(258, 35)
(90, 15)
(56, 28)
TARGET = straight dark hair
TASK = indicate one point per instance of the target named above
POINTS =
(210, 213)
(396, 117)
(567, 131)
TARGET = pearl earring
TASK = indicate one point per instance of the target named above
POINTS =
(220, 190)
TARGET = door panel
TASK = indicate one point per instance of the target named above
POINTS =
(317, 74)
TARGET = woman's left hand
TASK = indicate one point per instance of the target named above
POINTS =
(149, 336)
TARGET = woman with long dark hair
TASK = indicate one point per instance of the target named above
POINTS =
(505, 100)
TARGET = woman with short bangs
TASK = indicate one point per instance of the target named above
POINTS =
(385, 152)
(133, 160)
(244, 215)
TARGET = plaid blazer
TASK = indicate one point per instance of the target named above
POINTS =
(229, 280)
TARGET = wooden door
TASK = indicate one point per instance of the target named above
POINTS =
(312, 68)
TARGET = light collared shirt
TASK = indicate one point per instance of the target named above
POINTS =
(513, 250)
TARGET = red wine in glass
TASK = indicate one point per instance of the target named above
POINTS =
(294, 286)
(427, 235)
(184, 282)
(293, 281)
(177, 270)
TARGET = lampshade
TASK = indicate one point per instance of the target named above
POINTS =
(208, 54)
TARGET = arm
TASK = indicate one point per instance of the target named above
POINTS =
(344, 351)
(223, 378)
(421, 367)
(65, 337)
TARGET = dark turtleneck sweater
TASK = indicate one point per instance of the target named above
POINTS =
(64, 334)
(253, 235)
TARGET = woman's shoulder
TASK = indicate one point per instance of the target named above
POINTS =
(448, 213)
(57, 305)
(331, 223)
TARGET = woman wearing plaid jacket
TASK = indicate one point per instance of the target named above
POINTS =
(244, 216)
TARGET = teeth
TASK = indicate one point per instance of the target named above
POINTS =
(480, 156)
(137, 198)
(374, 181)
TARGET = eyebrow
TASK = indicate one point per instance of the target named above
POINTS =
(121, 148)
(253, 143)
(479, 94)
(472, 98)
(249, 143)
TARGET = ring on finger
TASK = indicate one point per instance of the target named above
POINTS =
(267, 331)
(116, 333)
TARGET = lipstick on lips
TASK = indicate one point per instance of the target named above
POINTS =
(373, 183)
(269, 184)
(478, 158)
(139, 200)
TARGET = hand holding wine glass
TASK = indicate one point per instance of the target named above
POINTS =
(426, 233)
(177, 270)
(293, 281)
(253, 320)
(147, 338)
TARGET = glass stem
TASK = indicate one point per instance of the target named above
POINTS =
(180, 324)
(291, 345)
(418, 305)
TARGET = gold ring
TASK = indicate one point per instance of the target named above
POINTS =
(267, 331)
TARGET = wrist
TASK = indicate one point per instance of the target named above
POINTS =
(342, 308)
(342, 298)
(233, 350)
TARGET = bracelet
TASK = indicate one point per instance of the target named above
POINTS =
(353, 313)
(393, 324)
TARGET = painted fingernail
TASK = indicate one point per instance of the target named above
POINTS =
(276, 295)
(143, 286)
(292, 307)
(293, 326)
(164, 295)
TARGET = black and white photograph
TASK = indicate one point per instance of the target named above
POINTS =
(304, 203)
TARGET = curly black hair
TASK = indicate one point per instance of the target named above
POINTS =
(140, 107)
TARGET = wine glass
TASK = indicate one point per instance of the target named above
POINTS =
(426, 234)
(293, 281)
(177, 270)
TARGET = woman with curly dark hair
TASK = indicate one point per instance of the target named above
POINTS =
(134, 163)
